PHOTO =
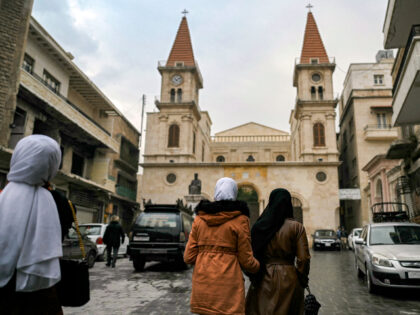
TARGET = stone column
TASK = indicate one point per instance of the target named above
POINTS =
(14, 24)
(306, 135)
(330, 135)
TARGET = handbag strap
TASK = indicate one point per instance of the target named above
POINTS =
(82, 246)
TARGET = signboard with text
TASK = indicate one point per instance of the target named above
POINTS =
(349, 194)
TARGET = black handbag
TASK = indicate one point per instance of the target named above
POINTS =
(311, 304)
(73, 288)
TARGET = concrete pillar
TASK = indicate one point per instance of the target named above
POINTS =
(14, 24)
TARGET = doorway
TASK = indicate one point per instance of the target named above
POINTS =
(249, 195)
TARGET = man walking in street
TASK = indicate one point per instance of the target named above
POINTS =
(112, 240)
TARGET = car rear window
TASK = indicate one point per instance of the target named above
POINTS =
(90, 229)
(398, 234)
(158, 220)
(325, 233)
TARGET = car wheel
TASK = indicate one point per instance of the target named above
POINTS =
(138, 263)
(359, 272)
(90, 258)
(371, 287)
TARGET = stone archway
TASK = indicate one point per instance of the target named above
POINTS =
(297, 209)
(248, 194)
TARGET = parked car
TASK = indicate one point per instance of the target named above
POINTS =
(355, 233)
(95, 232)
(325, 239)
(71, 248)
(388, 255)
(160, 233)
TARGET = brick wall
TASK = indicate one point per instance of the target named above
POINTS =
(14, 23)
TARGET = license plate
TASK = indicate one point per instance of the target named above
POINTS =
(414, 274)
(141, 238)
(153, 251)
(327, 244)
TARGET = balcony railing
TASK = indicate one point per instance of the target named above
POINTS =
(126, 192)
(378, 127)
(415, 31)
(38, 78)
(330, 60)
(265, 138)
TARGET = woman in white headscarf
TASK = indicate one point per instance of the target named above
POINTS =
(30, 232)
(219, 245)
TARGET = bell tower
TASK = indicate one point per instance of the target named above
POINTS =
(313, 119)
(175, 134)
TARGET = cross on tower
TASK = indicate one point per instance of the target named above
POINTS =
(309, 6)
(185, 12)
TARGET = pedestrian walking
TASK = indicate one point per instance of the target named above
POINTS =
(343, 237)
(281, 246)
(219, 245)
(30, 233)
(113, 237)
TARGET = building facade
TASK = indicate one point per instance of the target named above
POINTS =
(402, 31)
(179, 142)
(365, 130)
(99, 146)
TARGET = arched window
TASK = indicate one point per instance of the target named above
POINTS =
(313, 93)
(320, 92)
(378, 193)
(250, 158)
(220, 159)
(179, 95)
(172, 95)
(280, 158)
(173, 136)
(319, 135)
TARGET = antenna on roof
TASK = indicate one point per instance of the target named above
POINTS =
(185, 12)
(309, 6)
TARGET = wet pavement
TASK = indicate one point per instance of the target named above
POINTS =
(163, 289)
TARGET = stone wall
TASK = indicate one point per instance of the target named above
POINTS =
(14, 23)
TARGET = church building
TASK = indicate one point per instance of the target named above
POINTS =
(179, 145)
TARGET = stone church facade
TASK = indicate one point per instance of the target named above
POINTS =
(259, 158)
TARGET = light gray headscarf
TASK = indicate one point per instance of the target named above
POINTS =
(226, 189)
(30, 231)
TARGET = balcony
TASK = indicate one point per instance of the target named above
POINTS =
(406, 91)
(400, 16)
(126, 192)
(266, 138)
(67, 112)
(380, 132)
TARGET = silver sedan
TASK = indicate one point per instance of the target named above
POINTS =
(388, 255)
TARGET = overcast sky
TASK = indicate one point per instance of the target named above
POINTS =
(245, 48)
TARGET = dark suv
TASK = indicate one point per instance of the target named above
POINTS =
(160, 233)
(326, 239)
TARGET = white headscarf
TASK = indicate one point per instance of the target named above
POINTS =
(226, 189)
(30, 231)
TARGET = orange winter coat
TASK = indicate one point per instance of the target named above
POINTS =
(219, 245)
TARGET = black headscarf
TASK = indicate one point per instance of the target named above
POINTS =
(279, 208)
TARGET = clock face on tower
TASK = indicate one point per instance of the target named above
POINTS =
(176, 79)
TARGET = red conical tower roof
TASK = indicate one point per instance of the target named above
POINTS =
(312, 43)
(182, 48)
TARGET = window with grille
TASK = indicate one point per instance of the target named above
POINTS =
(51, 82)
(280, 158)
(173, 136)
(28, 63)
(378, 79)
(220, 159)
(381, 119)
(319, 135)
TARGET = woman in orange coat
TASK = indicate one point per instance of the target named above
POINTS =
(219, 246)
(281, 245)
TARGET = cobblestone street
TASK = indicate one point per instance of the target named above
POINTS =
(163, 290)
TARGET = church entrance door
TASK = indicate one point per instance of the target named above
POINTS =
(250, 196)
